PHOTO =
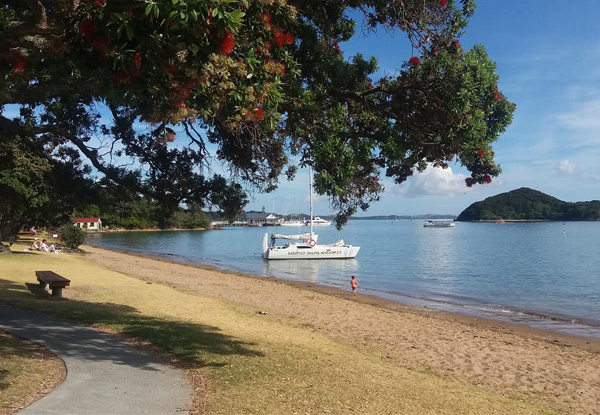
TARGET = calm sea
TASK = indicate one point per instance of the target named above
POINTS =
(545, 274)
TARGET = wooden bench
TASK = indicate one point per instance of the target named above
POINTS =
(53, 280)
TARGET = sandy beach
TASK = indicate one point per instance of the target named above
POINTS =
(541, 367)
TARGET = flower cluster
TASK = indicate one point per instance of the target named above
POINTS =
(282, 39)
(18, 60)
(256, 114)
(415, 61)
(227, 43)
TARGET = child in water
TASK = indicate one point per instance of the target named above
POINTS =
(354, 284)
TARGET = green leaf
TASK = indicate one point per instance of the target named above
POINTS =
(236, 15)
(129, 31)
(156, 11)
(148, 9)
(175, 1)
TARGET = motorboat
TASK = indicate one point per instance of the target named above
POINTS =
(293, 223)
(305, 246)
(317, 221)
(439, 224)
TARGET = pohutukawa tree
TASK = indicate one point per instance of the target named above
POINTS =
(111, 81)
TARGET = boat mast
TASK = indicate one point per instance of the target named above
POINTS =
(310, 199)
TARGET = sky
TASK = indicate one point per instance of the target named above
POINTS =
(548, 59)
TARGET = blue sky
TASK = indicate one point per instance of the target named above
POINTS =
(548, 58)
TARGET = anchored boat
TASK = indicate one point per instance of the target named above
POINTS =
(439, 224)
(306, 246)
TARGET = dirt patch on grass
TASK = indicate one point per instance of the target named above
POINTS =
(27, 372)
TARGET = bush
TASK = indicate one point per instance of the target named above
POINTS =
(71, 236)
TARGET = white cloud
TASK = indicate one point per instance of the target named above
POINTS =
(434, 181)
(571, 169)
(566, 167)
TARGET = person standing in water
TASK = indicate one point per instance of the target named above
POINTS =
(354, 284)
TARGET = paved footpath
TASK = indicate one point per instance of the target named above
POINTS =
(105, 375)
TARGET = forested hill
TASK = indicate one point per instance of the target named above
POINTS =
(529, 204)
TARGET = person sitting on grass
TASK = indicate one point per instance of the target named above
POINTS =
(35, 246)
(45, 248)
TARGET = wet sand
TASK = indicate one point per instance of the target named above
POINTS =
(537, 365)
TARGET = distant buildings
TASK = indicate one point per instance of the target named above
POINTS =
(89, 224)
(248, 219)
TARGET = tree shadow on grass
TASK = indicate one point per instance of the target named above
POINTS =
(192, 343)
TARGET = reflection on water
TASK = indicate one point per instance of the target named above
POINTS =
(321, 271)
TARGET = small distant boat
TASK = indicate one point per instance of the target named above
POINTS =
(295, 223)
(439, 224)
(317, 221)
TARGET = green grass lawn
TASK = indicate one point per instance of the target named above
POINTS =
(254, 364)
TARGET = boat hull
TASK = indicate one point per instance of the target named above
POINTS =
(311, 252)
(439, 224)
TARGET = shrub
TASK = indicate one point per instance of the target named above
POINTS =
(71, 236)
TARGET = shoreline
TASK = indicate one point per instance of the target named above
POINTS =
(591, 344)
(557, 324)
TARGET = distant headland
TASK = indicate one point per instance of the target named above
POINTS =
(526, 204)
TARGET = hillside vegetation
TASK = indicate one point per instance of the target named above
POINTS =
(529, 204)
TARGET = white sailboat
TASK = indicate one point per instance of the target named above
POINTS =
(307, 247)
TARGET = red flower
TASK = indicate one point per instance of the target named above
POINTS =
(100, 43)
(130, 12)
(469, 181)
(100, 3)
(443, 4)
(170, 68)
(479, 153)
(370, 86)
(415, 61)
(19, 62)
(282, 39)
(497, 96)
(227, 43)
(260, 113)
(88, 28)
(265, 17)
(279, 37)
(138, 60)
(487, 178)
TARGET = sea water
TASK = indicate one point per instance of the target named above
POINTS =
(544, 274)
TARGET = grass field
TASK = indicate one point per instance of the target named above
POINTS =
(26, 372)
(249, 363)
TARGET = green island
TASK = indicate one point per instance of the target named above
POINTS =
(526, 204)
